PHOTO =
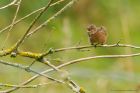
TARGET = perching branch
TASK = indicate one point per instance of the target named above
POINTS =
(50, 51)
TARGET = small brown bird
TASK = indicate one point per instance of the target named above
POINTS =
(97, 35)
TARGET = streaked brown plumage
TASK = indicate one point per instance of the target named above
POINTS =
(97, 35)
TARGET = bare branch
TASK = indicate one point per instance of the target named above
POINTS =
(29, 70)
(1, 31)
(10, 4)
(32, 24)
(72, 62)
(51, 18)
(13, 21)
(27, 86)
(50, 51)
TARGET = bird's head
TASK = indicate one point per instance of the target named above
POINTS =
(91, 28)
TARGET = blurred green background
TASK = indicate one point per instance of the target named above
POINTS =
(121, 19)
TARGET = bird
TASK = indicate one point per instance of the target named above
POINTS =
(97, 35)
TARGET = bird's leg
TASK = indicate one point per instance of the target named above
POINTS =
(95, 44)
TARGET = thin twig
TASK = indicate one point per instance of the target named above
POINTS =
(13, 21)
(91, 46)
(51, 18)
(97, 57)
(29, 70)
(26, 86)
(1, 31)
(70, 83)
(32, 24)
(26, 35)
(50, 51)
(45, 61)
(70, 63)
(10, 4)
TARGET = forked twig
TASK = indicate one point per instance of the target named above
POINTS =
(28, 15)
(13, 21)
(51, 18)
(32, 24)
(70, 63)
(29, 70)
